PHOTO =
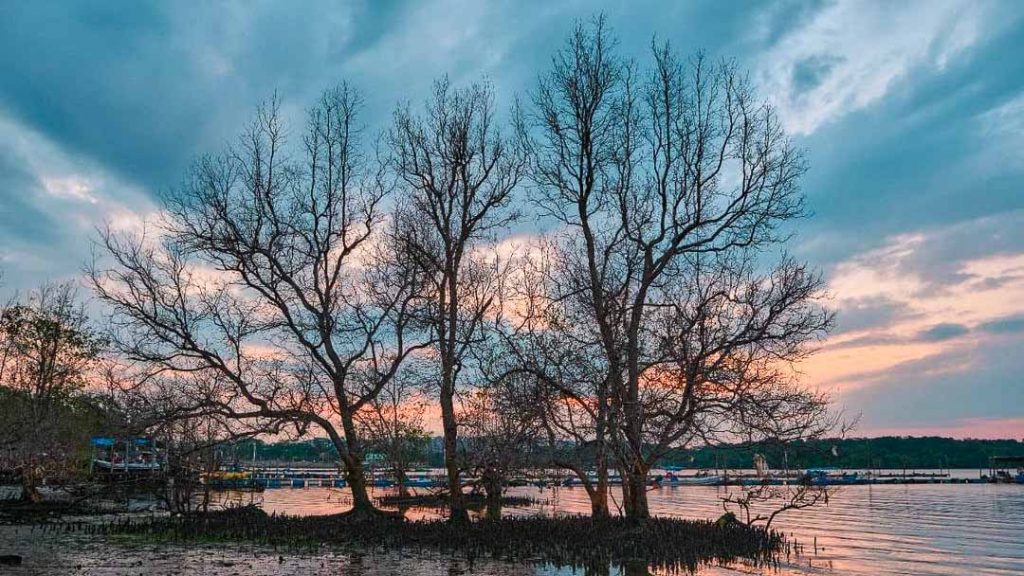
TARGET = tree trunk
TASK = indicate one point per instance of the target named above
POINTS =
(634, 493)
(599, 498)
(400, 479)
(456, 499)
(599, 495)
(449, 304)
(352, 457)
(597, 492)
(493, 489)
(30, 486)
(361, 503)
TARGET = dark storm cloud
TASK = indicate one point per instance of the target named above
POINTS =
(142, 87)
(139, 90)
(143, 90)
(810, 72)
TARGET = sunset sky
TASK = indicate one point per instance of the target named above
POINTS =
(911, 115)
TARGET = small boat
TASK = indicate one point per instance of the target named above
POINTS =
(232, 480)
(573, 480)
(671, 479)
(1006, 470)
(821, 477)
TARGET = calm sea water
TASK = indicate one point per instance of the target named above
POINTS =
(925, 529)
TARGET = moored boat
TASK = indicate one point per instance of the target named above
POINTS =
(699, 479)
(232, 480)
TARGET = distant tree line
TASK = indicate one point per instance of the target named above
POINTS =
(893, 452)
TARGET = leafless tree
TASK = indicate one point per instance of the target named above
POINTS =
(720, 360)
(672, 185)
(273, 281)
(393, 427)
(764, 502)
(173, 410)
(458, 173)
(502, 425)
(548, 342)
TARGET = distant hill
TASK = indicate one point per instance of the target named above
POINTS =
(884, 452)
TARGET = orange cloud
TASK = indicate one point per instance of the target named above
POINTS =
(933, 307)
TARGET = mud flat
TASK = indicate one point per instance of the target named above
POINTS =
(79, 553)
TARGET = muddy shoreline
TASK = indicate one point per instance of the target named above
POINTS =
(250, 541)
(78, 553)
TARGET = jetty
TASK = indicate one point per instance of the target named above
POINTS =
(299, 476)
(1006, 469)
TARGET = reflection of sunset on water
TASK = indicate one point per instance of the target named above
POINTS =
(864, 530)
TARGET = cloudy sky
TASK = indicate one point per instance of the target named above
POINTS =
(911, 115)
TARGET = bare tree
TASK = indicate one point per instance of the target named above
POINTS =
(501, 429)
(393, 427)
(173, 409)
(546, 341)
(672, 185)
(458, 174)
(764, 502)
(720, 360)
(272, 280)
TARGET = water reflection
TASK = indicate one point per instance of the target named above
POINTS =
(915, 529)
(886, 529)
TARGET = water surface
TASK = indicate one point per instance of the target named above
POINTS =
(927, 529)
(924, 529)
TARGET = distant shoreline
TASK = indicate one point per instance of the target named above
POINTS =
(885, 452)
